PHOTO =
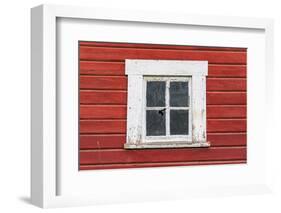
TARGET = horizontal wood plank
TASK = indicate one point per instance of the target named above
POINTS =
(116, 141)
(226, 98)
(143, 165)
(158, 46)
(226, 125)
(226, 111)
(227, 139)
(161, 155)
(226, 84)
(226, 71)
(102, 112)
(102, 68)
(102, 126)
(103, 97)
(103, 141)
(120, 54)
(103, 82)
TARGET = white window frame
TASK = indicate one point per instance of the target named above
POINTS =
(168, 137)
(137, 71)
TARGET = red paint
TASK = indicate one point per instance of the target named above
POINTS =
(120, 54)
(116, 141)
(161, 155)
(103, 99)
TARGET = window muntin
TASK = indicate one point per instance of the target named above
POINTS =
(167, 110)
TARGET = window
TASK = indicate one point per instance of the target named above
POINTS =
(167, 114)
(166, 104)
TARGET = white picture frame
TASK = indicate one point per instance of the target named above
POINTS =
(45, 168)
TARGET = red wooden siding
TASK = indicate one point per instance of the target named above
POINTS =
(103, 109)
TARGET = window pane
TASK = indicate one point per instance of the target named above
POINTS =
(179, 122)
(155, 93)
(179, 94)
(155, 122)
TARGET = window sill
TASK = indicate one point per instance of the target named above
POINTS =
(159, 145)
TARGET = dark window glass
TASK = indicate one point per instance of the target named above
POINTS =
(155, 122)
(179, 122)
(179, 94)
(155, 93)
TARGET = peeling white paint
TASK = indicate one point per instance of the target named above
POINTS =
(136, 71)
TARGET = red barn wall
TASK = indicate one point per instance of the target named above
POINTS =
(103, 99)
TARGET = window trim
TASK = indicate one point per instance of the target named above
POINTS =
(137, 70)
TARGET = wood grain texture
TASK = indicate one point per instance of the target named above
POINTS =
(103, 106)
